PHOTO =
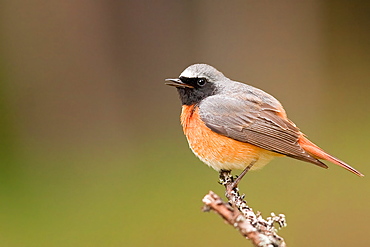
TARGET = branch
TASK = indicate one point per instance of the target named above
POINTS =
(237, 213)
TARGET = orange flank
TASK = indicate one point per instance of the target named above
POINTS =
(318, 153)
(218, 151)
(223, 153)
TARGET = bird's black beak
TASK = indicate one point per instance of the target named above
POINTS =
(177, 83)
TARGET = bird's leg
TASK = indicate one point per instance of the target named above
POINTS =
(237, 180)
(231, 184)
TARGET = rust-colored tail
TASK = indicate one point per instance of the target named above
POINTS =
(318, 153)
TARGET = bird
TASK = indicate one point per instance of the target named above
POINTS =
(230, 125)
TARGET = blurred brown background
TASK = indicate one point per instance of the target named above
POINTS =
(92, 152)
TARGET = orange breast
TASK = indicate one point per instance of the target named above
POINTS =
(218, 151)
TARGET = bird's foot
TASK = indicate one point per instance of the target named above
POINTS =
(228, 180)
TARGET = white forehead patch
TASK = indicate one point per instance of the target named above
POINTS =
(189, 73)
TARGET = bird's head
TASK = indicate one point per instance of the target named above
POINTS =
(197, 82)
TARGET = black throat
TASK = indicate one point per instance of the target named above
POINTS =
(191, 96)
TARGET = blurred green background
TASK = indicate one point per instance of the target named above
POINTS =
(92, 152)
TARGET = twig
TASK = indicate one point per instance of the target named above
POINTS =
(237, 213)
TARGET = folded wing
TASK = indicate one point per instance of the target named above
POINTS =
(254, 121)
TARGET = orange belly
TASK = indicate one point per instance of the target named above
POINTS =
(218, 151)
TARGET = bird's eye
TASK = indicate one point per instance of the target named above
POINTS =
(201, 82)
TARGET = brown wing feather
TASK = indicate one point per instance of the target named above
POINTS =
(254, 122)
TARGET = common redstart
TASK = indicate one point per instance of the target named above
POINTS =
(230, 125)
